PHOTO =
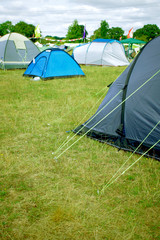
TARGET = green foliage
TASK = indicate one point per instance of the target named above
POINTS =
(75, 31)
(24, 29)
(6, 27)
(105, 32)
(97, 34)
(57, 38)
(148, 32)
(21, 27)
(116, 33)
(102, 31)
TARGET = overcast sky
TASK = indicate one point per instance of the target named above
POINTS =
(56, 16)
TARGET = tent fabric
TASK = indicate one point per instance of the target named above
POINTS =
(16, 51)
(133, 41)
(52, 63)
(105, 52)
(130, 52)
(131, 108)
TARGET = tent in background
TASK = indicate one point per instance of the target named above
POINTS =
(129, 115)
(130, 42)
(16, 51)
(105, 52)
(52, 63)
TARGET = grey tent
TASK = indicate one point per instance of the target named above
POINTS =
(16, 51)
(129, 115)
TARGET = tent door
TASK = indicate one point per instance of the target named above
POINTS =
(40, 67)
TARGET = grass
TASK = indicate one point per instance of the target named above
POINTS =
(46, 198)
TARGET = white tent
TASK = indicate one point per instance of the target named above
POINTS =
(107, 52)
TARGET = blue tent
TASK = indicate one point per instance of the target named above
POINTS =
(53, 63)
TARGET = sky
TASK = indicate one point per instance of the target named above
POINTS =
(54, 17)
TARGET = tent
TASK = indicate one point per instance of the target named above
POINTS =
(105, 52)
(129, 115)
(130, 42)
(53, 63)
(133, 41)
(16, 51)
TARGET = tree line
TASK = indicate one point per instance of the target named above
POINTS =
(75, 31)
(21, 27)
(146, 33)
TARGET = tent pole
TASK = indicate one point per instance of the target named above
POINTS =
(128, 49)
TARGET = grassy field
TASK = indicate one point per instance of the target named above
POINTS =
(48, 198)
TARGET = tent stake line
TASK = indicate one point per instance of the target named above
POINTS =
(108, 113)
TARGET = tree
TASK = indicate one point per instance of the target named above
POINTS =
(115, 33)
(24, 29)
(6, 27)
(96, 34)
(102, 31)
(148, 32)
(75, 31)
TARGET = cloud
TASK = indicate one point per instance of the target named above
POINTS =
(55, 18)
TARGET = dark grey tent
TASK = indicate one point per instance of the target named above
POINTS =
(16, 51)
(129, 115)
